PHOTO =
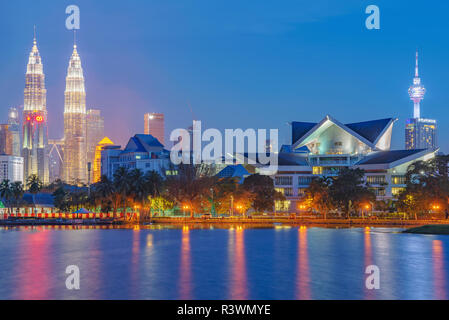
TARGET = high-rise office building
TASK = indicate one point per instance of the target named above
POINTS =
(95, 133)
(75, 144)
(11, 168)
(35, 133)
(14, 128)
(5, 140)
(97, 162)
(55, 159)
(155, 125)
(420, 133)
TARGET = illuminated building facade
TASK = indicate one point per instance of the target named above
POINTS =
(323, 149)
(417, 92)
(14, 129)
(35, 133)
(55, 159)
(420, 133)
(97, 162)
(75, 128)
(11, 168)
(142, 152)
(95, 132)
(5, 140)
(155, 125)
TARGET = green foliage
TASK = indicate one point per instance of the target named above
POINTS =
(427, 186)
(263, 191)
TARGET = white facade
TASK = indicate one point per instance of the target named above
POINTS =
(323, 149)
(11, 168)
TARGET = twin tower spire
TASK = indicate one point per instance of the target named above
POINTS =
(35, 136)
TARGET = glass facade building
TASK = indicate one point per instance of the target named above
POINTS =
(95, 133)
(75, 124)
(421, 134)
(155, 126)
(35, 132)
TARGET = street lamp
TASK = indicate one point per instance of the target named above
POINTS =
(239, 208)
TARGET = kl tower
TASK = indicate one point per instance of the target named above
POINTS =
(420, 133)
(417, 92)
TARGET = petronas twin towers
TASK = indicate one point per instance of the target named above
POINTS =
(35, 135)
(75, 127)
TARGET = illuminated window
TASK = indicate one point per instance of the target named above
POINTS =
(379, 192)
(375, 179)
(284, 180)
(396, 191)
(317, 170)
(398, 180)
(282, 205)
(280, 190)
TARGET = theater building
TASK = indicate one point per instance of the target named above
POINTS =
(324, 148)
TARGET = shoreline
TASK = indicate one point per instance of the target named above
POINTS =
(216, 222)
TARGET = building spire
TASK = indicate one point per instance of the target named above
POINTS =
(417, 91)
(74, 38)
(34, 39)
(416, 68)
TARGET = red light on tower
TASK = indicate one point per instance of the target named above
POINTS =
(39, 118)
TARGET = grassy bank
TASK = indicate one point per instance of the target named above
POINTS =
(430, 229)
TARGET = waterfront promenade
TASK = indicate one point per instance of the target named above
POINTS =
(265, 221)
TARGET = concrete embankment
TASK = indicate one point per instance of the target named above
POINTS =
(393, 223)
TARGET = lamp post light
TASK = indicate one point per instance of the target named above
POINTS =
(185, 207)
(239, 208)
(367, 207)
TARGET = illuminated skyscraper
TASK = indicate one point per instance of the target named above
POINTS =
(75, 130)
(5, 140)
(95, 132)
(155, 125)
(420, 133)
(35, 133)
(14, 128)
(55, 159)
(97, 162)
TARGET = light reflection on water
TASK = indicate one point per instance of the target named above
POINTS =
(221, 263)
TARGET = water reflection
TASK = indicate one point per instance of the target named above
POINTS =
(152, 264)
(185, 279)
(135, 262)
(303, 274)
(438, 270)
(238, 283)
(34, 268)
(368, 260)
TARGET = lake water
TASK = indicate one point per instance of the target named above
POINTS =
(233, 263)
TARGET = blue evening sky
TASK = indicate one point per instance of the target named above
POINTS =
(238, 63)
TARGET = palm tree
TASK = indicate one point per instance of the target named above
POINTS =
(122, 186)
(34, 186)
(154, 183)
(139, 190)
(17, 192)
(104, 191)
(6, 193)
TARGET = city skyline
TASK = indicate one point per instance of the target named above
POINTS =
(275, 79)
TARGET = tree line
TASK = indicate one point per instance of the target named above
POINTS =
(193, 190)
(426, 191)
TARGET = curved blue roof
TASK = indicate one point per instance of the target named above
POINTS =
(388, 156)
(370, 130)
(299, 129)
